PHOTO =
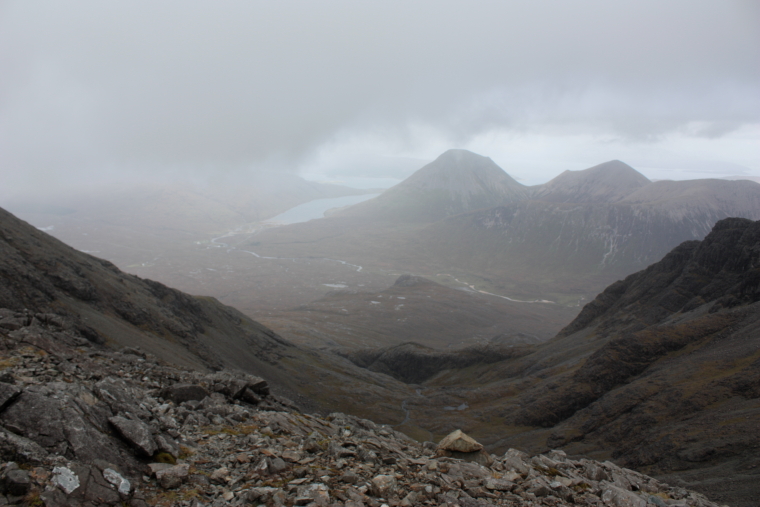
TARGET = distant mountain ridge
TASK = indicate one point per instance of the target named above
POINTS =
(565, 239)
(605, 183)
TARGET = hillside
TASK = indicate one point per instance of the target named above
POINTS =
(575, 246)
(661, 372)
(85, 425)
(90, 297)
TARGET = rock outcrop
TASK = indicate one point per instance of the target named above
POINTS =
(85, 425)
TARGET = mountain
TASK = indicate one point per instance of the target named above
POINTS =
(575, 244)
(563, 241)
(456, 182)
(660, 372)
(604, 183)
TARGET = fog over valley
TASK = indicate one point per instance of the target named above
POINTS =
(328, 235)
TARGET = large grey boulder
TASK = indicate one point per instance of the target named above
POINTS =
(136, 433)
(458, 444)
(62, 419)
(14, 446)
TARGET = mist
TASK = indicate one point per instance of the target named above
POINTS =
(96, 92)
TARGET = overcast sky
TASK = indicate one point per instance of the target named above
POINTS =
(94, 90)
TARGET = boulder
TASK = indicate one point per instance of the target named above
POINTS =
(136, 433)
(459, 445)
(460, 442)
(179, 393)
(16, 482)
(619, 497)
(14, 446)
(383, 486)
(56, 417)
(172, 477)
(8, 393)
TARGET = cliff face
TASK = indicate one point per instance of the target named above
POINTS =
(666, 366)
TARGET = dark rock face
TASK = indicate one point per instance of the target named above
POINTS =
(721, 269)
(87, 417)
(668, 370)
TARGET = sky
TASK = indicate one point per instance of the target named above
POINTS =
(365, 92)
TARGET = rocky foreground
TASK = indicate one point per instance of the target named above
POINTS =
(81, 424)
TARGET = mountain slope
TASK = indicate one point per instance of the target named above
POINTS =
(570, 244)
(456, 182)
(604, 183)
(41, 276)
(660, 372)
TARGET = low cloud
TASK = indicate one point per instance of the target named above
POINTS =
(101, 90)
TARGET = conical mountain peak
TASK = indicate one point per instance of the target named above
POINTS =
(456, 182)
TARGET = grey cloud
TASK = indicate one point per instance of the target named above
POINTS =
(94, 85)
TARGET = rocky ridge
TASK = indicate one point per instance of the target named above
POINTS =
(81, 424)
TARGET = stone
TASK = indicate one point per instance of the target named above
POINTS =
(65, 479)
(350, 478)
(458, 441)
(16, 482)
(165, 443)
(8, 394)
(157, 467)
(261, 494)
(383, 486)
(317, 493)
(499, 484)
(277, 465)
(173, 477)
(618, 497)
(220, 475)
(22, 447)
(136, 433)
(292, 456)
(179, 393)
(122, 484)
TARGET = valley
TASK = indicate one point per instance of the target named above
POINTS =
(584, 314)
